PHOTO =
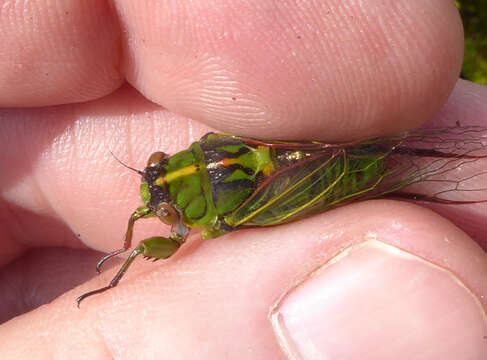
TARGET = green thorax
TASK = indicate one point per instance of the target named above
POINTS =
(234, 169)
(209, 179)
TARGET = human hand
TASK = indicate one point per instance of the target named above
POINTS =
(311, 70)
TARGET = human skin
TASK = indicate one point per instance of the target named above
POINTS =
(81, 79)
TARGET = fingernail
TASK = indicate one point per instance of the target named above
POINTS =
(376, 301)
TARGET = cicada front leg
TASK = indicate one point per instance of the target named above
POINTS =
(157, 247)
(141, 212)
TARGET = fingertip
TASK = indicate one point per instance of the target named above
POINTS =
(371, 293)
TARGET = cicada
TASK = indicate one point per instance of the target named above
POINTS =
(224, 183)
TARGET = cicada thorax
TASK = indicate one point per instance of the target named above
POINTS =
(234, 169)
(210, 179)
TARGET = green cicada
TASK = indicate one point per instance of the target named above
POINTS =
(223, 183)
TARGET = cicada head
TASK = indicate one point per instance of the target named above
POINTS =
(153, 189)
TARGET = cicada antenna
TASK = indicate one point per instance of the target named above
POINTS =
(140, 172)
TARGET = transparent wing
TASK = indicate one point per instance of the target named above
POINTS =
(447, 165)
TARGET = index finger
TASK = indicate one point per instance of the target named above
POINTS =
(323, 70)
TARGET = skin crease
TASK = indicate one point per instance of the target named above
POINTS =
(284, 69)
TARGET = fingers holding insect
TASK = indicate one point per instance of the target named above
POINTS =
(303, 287)
(336, 70)
(60, 184)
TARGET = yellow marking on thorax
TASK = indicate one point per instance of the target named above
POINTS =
(229, 161)
(159, 181)
(268, 168)
(170, 176)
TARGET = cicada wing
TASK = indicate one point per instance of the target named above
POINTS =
(324, 180)
(287, 191)
(300, 188)
(447, 165)
(312, 146)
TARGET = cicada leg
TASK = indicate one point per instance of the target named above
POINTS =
(157, 247)
(141, 212)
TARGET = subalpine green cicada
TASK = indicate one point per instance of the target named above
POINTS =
(223, 183)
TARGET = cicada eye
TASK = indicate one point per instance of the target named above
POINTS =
(167, 214)
(155, 158)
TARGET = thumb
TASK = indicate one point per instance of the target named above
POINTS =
(399, 283)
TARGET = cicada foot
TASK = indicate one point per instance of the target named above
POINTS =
(140, 213)
(157, 247)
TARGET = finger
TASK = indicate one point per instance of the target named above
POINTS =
(57, 52)
(467, 105)
(333, 71)
(401, 276)
(329, 71)
(41, 275)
